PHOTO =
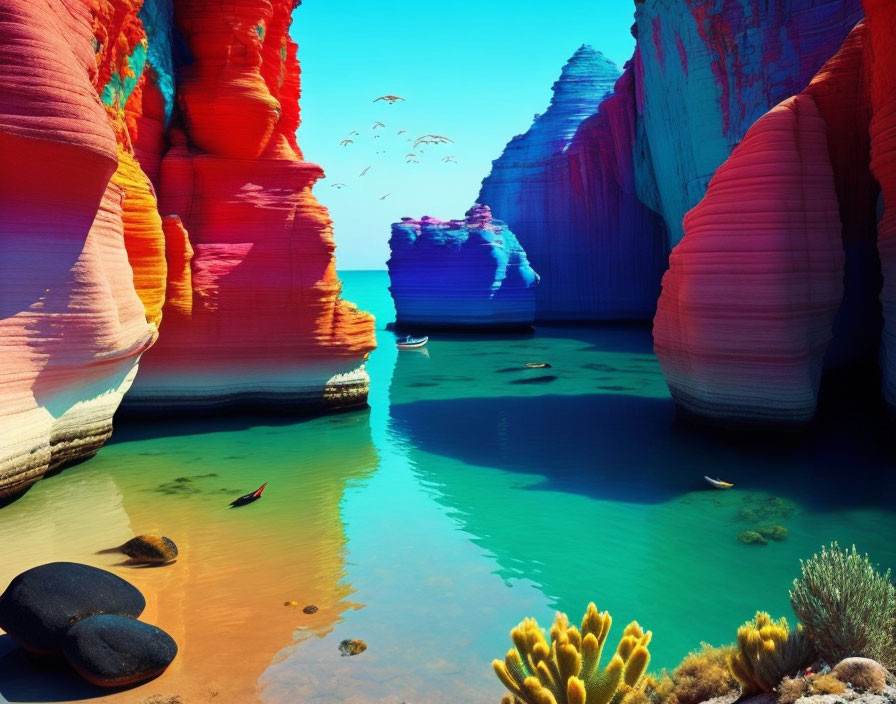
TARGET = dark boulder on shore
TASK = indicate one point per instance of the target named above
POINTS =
(42, 603)
(115, 651)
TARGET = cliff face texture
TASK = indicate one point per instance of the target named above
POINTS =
(709, 69)
(74, 318)
(781, 259)
(776, 275)
(882, 41)
(260, 320)
(566, 188)
(89, 267)
(597, 212)
(460, 273)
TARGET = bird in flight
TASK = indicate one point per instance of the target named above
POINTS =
(401, 131)
(391, 99)
(337, 185)
(365, 171)
(346, 142)
(449, 158)
(385, 196)
(377, 124)
(354, 132)
(432, 139)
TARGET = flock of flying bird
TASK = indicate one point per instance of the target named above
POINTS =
(416, 150)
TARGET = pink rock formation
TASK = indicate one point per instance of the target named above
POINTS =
(71, 323)
(882, 35)
(752, 292)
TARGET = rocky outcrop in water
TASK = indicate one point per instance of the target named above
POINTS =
(598, 213)
(778, 277)
(749, 301)
(266, 324)
(241, 265)
(762, 282)
(41, 604)
(567, 189)
(460, 273)
(114, 651)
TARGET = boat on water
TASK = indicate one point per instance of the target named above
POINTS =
(718, 483)
(249, 498)
(412, 343)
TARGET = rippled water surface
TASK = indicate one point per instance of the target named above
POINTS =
(473, 492)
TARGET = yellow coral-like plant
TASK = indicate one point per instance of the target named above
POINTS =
(567, 671)
(767, 652)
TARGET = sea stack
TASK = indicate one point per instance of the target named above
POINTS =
(470, 273)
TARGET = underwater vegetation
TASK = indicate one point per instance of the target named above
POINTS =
(764, 514)
(568, 670)
(186, 486)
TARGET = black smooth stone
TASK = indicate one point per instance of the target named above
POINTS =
(115, 651)
(42, 603)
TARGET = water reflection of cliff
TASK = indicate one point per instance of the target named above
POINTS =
(223, 600)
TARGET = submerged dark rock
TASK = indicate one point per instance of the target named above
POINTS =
(150, 549)
(42, 603)
(113, 651)
(353, 646)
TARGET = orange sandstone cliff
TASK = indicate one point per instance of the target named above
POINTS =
(109, 108)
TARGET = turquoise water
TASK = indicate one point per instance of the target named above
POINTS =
(474, 492)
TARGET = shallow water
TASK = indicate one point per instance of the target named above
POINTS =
(473, 492)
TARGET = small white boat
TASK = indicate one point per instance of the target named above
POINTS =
(412, 343)
(718, 483)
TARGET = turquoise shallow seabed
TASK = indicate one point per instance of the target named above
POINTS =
(475, 491)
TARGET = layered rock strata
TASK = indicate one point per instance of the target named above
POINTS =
(72, 319)
(567, 189)
(460, 273)
(755, 290)
(238, 261)
(263, 322)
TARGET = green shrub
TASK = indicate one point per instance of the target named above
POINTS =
(847, 607)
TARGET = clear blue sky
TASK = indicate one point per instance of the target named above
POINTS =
(475, 71)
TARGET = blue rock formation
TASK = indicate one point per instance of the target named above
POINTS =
(460, 273)
(706, 70)
(567, 188)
